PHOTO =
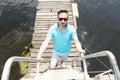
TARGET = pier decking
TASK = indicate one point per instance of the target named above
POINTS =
(45, 17)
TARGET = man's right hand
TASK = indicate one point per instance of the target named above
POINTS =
(40, 59)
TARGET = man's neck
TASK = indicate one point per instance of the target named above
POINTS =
(62, 28)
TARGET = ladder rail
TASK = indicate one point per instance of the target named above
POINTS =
(112, 60)
(8, 64)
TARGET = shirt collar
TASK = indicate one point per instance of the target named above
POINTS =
(57, 25)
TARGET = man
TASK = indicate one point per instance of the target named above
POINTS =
(61, 33)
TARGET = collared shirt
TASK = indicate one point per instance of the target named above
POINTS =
(62, 40)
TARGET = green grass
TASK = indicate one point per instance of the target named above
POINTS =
(24, 65)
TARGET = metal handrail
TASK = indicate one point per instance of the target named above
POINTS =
(7, 66)
(111, 57)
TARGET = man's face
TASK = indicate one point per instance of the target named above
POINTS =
(62, 18)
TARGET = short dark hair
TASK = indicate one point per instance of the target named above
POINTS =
(62, 11)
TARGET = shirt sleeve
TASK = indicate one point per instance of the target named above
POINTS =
(74, 33)
(49, 34)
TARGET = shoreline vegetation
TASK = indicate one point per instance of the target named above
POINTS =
(24, 65)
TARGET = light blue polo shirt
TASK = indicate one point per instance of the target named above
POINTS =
(62, 40)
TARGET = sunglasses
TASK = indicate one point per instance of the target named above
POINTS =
(65, 19)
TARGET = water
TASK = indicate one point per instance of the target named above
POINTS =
(98, 29)
(16, 27)
(100, 20)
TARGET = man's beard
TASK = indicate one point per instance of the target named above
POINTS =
(63, 24)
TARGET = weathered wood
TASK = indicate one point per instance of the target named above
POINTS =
(68, 63)
(49, 17)
(45, 24)
(43, 68)
(48, 55)
(49, 49)
(45, 21)
(45, 17)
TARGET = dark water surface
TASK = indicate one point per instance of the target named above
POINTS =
(100, 20)
(16, 27)
(98, 29)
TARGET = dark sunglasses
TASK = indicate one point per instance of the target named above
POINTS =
(65, 19)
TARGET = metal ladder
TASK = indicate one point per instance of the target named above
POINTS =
(6, 70)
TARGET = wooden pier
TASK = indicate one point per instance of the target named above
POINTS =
(45, 17)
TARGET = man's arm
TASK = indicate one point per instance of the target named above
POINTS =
(43, 47)
(77, 44)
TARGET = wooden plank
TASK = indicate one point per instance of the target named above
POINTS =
(37, 43)
(44, 64)
(40, 37)
(42, 31)
(45, 59)
(48, 23)
(48, 17)
(45, 10)
(48, 55)
(37, 28)
(47, 14)
(52, 20)
(50, 49)
(51, 5)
